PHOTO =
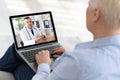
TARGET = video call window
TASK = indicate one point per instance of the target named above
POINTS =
(33, 29)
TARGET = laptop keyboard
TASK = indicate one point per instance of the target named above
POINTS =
(30, 55)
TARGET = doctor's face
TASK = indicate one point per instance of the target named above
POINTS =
(28, 23)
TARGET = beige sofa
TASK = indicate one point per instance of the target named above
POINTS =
(6, 76)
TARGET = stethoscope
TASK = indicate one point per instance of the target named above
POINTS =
(29, 33)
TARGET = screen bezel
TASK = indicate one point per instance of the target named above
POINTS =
(31, 14)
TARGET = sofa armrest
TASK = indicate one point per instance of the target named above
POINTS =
(6, 76)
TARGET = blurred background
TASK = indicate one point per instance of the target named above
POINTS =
(69, 19)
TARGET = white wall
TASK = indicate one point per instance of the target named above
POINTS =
(5, 31)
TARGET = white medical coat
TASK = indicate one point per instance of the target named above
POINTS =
(27, 37)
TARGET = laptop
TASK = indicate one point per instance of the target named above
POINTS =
(26, 47)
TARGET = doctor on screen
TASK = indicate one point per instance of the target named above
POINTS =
(30, 34)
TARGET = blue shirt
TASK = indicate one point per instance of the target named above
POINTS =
(95, 60)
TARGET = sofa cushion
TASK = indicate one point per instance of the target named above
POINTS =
(6, 76)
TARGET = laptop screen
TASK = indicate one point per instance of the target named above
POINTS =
(33, 29)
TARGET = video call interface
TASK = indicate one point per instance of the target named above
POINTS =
(33, 29)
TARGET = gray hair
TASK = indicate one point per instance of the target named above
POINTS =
(110, 12)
